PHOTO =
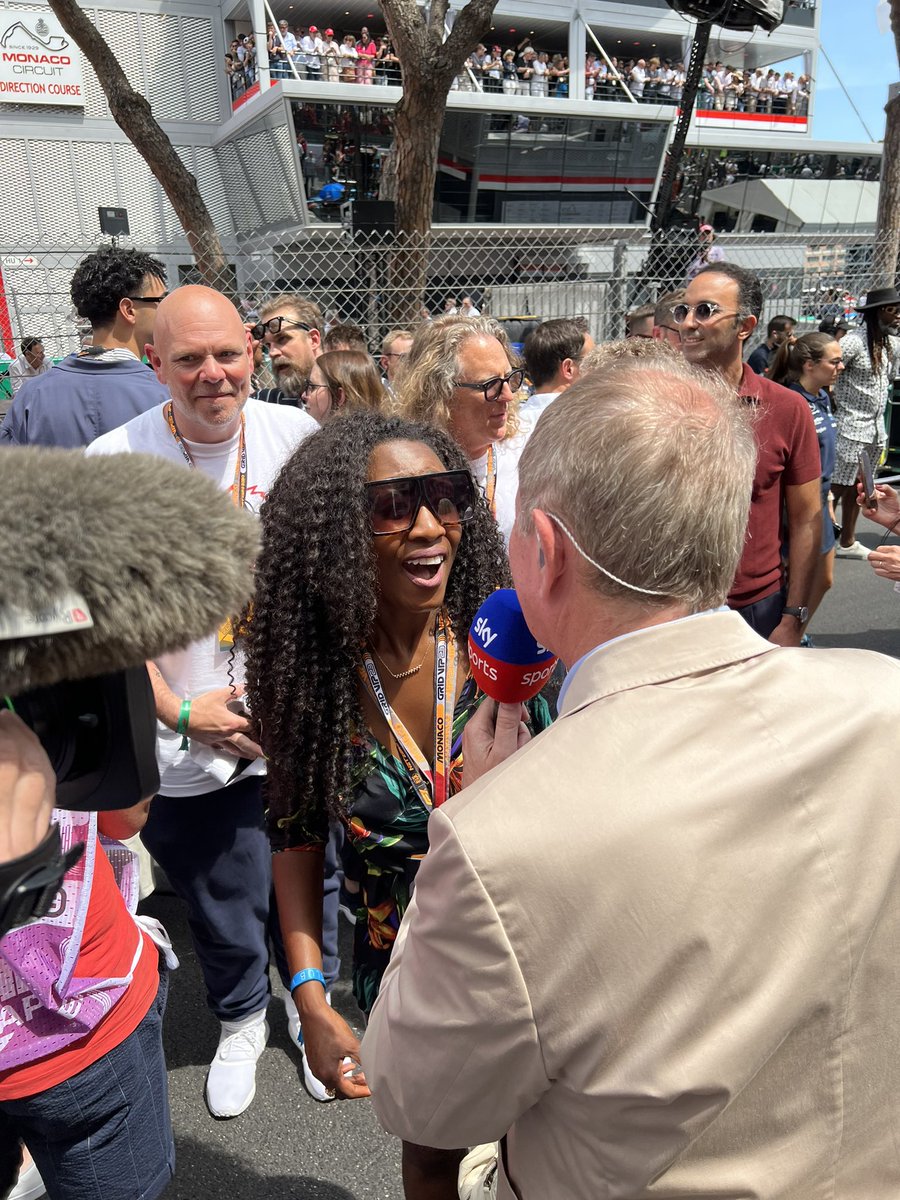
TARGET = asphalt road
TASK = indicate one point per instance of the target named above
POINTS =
(287, 1146)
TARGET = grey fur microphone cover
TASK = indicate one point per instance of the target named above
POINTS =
(157, 552)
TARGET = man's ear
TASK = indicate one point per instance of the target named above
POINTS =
(154, 360)
(550, 548)
(315, 339)
(748, 324)
(126, 310)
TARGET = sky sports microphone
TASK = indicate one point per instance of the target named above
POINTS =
(507, 662)
(109, 561)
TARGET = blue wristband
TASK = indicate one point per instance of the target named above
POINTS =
(307, 976)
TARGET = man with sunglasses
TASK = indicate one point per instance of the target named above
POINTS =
(206, 825)
(458, 376)
(105, 385)
(720, 310)
(290, 326)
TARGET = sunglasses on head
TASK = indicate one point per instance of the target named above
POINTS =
(274, 325)
(394, 504)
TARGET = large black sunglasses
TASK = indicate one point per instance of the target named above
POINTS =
(274, 325)
(493, 387)
(394, 504)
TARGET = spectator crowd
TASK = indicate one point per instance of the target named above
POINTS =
(664, 504)
(309, 53)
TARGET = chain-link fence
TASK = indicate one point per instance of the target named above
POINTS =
(378, 282)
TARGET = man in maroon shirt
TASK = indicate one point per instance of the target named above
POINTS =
(721, 308)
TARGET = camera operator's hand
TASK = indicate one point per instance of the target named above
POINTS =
(215, 722)
(27, 789)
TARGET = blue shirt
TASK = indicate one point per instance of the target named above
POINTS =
(80, 398)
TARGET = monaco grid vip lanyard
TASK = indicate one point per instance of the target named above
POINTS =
(431, 785)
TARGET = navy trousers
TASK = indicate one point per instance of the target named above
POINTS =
(764, 615)
(215, 851)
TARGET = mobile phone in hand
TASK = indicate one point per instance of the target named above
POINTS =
(867, 478)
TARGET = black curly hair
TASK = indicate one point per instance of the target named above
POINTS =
(104, 278)
(309, 623)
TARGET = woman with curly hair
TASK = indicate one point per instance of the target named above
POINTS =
(460, 375)
(342, 381)
(377, 551)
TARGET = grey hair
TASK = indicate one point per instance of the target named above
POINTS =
(650, 465)
(610, 354)
(425, 392)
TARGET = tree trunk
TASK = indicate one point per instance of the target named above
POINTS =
(133, 115)
(418, 120)
(887, 226)
(887, 234)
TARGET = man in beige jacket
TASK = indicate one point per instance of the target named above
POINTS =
(654, 953)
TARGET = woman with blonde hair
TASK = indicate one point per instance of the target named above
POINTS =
(342, 381)
(460, 375)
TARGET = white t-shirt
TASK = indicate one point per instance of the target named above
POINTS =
(273, 432)
(507, 455)
(531, 409)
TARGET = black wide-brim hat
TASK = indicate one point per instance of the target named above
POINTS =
(877, 298)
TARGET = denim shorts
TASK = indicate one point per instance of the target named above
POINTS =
(106, 1133)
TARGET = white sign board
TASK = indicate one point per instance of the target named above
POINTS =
(39, 64)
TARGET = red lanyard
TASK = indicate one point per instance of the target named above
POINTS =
(239, 490)
(432, 785)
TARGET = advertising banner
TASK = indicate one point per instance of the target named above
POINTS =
(39, 64)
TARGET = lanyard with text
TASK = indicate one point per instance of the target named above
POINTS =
(431, 785)
(238, 494)
(490, 483)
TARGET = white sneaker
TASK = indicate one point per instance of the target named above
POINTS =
(29, 1185)
(231, 1082)
(856, 550)
(315, 1087)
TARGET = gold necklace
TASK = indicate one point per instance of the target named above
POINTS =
(402, 674)
(410, 670)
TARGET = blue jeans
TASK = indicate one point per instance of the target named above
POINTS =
(106, 1133)
(764, 615)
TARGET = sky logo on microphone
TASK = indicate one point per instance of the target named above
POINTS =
(507, 662)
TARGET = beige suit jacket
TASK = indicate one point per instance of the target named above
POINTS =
(659, 948)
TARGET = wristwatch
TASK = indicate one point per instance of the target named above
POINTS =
(800, 611)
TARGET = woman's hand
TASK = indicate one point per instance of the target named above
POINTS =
(328, 1040)
(886, 562)
(888, 511)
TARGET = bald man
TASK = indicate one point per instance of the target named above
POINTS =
(205, 827)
